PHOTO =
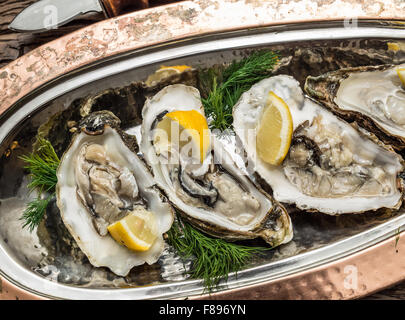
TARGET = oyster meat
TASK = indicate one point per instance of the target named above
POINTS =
(100, 181)
(214, 195)
(373, 96)
(331, 167)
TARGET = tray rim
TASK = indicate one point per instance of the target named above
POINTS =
(174, 21)
(36, 81)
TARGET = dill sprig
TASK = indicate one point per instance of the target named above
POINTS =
(226, 86)
(42, 165)
(213, 259)
(34, 212)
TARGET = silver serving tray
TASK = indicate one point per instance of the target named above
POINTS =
(313, 245)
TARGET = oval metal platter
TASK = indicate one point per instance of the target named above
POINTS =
(329, 257)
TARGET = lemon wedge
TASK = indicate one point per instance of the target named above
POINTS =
(164, 72)
(137, 231)
(179, 68)
(192, 126)
(275, 131)
(401, 75)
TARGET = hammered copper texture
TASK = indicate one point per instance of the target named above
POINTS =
(352, 277)
(194, 18)
(8, 291)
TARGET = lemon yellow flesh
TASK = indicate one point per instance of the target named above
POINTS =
(137, 231)
(165, 72)
(179, 68)
(196, 127)
(274, 131)
(401, 75)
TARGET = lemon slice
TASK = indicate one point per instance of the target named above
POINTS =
(401, 75)
(275, 131)
(137, 231)
(196, 127)
(164, 72)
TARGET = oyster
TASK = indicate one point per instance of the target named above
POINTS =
(214, 195)
(330, 167)
(101, 180)
(372, 96)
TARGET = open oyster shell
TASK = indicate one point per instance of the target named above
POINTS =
(215, 195)
(372, 96)
(331, 167)
(100, 180)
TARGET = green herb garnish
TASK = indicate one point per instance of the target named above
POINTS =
(223, 88)
(35, 212)
(214, 258)
(42, 165)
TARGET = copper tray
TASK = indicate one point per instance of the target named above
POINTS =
(324, 261)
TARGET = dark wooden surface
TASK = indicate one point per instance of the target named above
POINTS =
(14, 45)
